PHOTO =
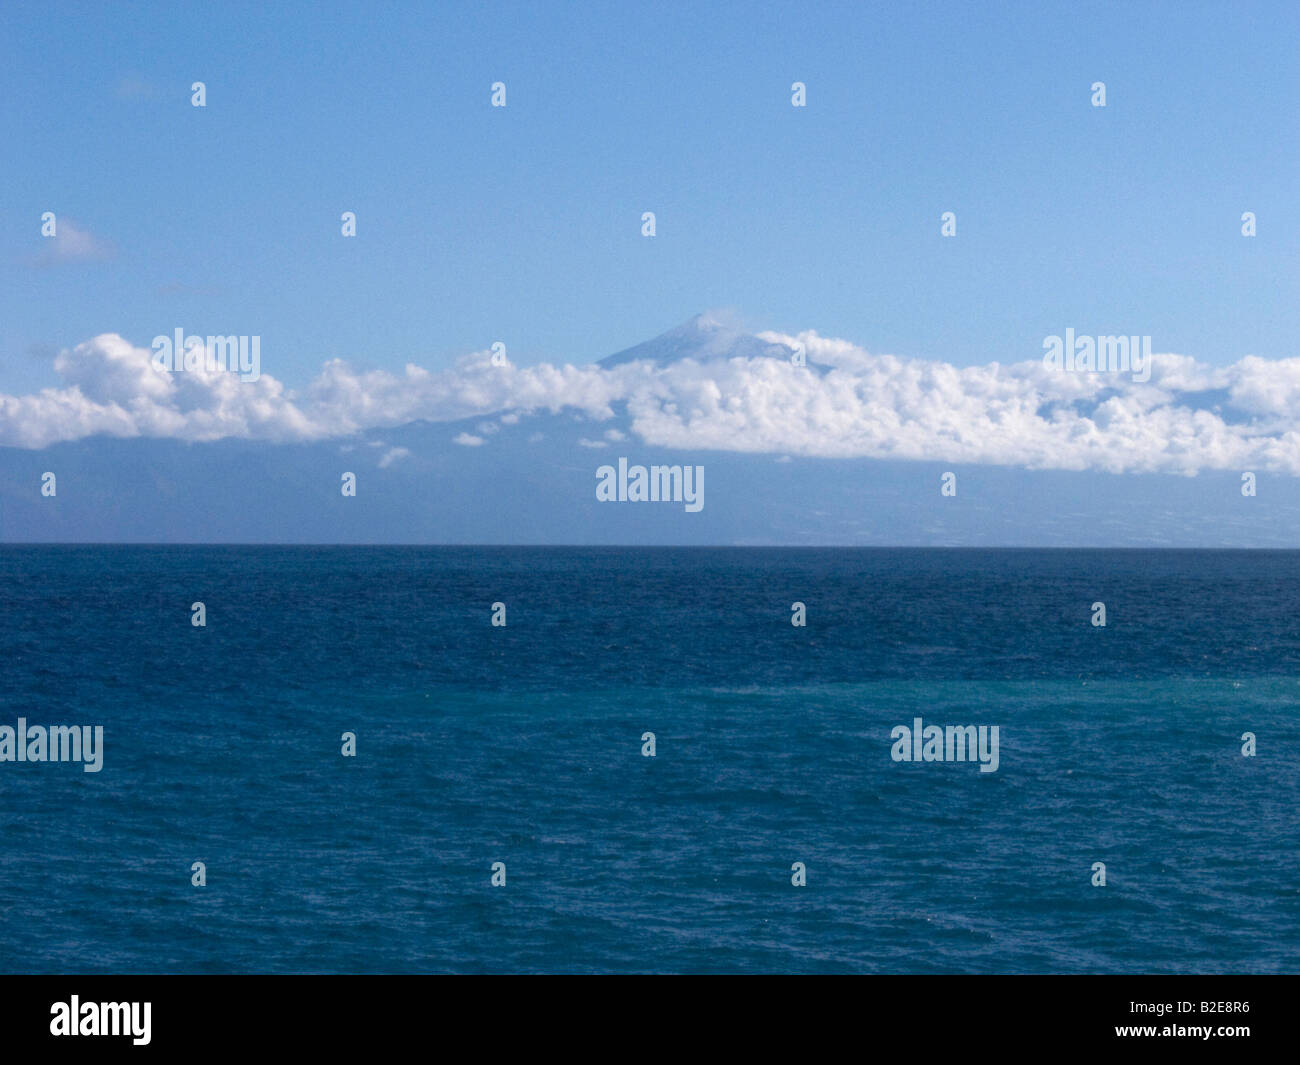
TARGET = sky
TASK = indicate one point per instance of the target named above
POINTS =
(522, 224)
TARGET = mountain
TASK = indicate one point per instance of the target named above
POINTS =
(704, 337)
(520, 478)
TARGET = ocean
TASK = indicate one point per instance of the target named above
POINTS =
(522, 744)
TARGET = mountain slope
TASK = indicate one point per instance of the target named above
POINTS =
(702, 338)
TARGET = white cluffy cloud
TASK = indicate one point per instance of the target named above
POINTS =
(71, 244)
(1188, 417)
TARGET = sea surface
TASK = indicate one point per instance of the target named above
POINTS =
(522, 744)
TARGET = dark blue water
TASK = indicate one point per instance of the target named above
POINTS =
(523, 744)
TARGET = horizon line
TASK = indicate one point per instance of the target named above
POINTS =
(625, 547)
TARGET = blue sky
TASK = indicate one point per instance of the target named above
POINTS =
(523, 224)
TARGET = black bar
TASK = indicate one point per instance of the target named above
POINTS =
(349, 1014)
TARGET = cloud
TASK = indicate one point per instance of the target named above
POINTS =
(848, 403)
(71, 244)
(393, 454)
